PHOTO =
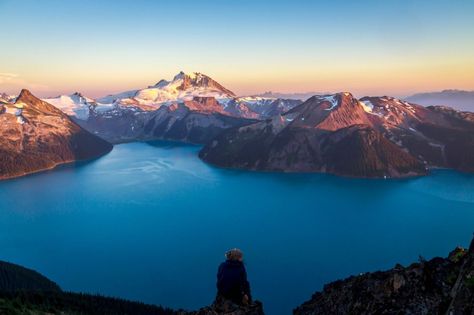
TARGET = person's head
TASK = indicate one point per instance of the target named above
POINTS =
(234, 254)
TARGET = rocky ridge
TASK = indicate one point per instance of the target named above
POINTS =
(437, 286)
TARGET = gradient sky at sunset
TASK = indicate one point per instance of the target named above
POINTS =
(368, 47)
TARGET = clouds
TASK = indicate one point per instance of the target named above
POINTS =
(12, 83)
(7, 77)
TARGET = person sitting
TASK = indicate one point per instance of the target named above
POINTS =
(232, 281)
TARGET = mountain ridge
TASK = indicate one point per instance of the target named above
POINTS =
(388, 138)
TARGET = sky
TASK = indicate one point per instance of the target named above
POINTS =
(367, 47)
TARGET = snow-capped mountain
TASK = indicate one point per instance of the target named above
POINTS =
(337, 133)
(183, 87)
(77, 106)
(187, 87)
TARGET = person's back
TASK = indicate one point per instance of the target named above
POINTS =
(232, 281)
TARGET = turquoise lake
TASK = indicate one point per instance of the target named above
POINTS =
(151, 222)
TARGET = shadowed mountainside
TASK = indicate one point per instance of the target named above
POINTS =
(17, 278)
(25, 291)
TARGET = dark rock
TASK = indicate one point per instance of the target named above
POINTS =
(222, 306)
(437, 286)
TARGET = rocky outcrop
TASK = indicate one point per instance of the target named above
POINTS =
(225, 307)
(199, 80)
(437, 286)
(35, 136)
(373, 137)
(204, 105)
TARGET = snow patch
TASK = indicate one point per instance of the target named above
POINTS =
(331, 99)
(77, 105)
(367, 106)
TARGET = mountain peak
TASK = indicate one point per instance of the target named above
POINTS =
(194, 84)
(192, 76)
(25, 93)
(26, 97)
(179, 76)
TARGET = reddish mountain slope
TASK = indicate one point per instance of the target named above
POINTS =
(35, 136)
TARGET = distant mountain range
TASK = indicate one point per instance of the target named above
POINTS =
(457, 99)
(334, 133)
(303, 96)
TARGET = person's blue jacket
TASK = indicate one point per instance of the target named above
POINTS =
(232, 281)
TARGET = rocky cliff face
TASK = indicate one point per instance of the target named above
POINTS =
(371, 137)
(35, 136)
(438, 286)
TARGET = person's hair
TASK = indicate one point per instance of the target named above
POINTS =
(234, 254)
